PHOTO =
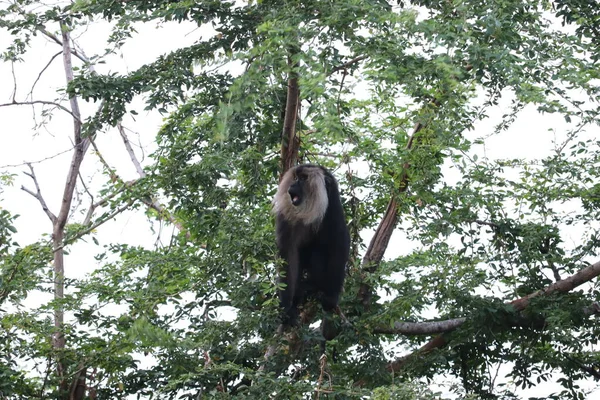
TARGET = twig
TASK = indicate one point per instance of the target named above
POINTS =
(322, 365)
(14, 93)
(29, 103)
(84, 232)
(41, 72)
(38, 194)
(37, 161)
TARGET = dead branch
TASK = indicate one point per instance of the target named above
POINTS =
(38, 193)
(132, 156)
(30, 103)
(42, 72)
(566, 285)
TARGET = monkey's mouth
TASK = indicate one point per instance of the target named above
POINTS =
(295, 199)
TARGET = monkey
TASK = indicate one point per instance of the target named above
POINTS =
(312, 238)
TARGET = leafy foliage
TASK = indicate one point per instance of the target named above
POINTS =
(195, 317)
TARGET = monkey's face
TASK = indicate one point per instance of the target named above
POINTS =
(296, 189)
(302, 195)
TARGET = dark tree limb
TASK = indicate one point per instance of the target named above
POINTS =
(290, 141)
(383, 234)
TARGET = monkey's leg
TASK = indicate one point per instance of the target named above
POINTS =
(288, 296)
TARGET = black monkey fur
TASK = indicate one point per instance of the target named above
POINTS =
(312, 237)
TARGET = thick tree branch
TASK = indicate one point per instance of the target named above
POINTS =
(566, 285)
(289, 140)
(383, 234)
(81, 144)
(435, 327)
(421, 328)
(58, 229)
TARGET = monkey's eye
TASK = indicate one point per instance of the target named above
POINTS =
(295, 178)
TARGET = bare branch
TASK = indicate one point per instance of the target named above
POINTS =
(55, 39)
(37, 161)
(98, 223)
(38, 193)
(102, 202)
(28, 103)
(12, 69)
(42, 72)
(155, 205)
(132, 156)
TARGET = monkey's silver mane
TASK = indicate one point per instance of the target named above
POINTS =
(314, 203)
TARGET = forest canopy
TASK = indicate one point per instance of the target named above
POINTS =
(463, 135)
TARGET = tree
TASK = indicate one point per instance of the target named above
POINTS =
(497, 271)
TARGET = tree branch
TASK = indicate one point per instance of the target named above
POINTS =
(289, 140)
(96, 224)
(348, 64)
(29, 103)
(383, 234)
(151, 203)
(55, 39)
(421, 328)
(38, 193)
(42, 72)
(566, 285)
(132, 156)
